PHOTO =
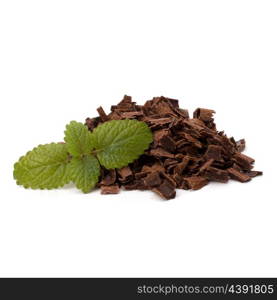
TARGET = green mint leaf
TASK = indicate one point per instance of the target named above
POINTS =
(45, 167)
(84, 172)
(120, 142)
(78, 139)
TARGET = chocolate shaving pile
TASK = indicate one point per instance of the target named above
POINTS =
(187, 153)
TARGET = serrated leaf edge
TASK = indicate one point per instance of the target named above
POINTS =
(68, 180)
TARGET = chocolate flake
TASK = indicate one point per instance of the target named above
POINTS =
(110, 189)
(253, 174)
(160, 152)
(109, 178)
(153, 179)
(237, 175)
(168, 143)
(214, 152)
(240, 145)
(102, 114)
(214, 174)
(165, 190)
(196, 182)
(244, 161)
(125, 174)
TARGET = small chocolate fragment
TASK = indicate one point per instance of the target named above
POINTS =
(165, 190)
(137, 184)
(240, 145)
(253, 173)
(110, 189)
(214, 152)
(156, 167)
(203, 114)
(92, 123)
(214, 174)
(109, 178)
(179, 169)
(169, 162)
(206, 165)
(125, 174)
(168, 178)
(131, 114)
(160, 152)
(157, 123)
(236, 175)
(168, 143)
(182, 112)
(141, 175)
(196, 182)
(244, 161)
(102, 114)
(178, 180)
(152, 179)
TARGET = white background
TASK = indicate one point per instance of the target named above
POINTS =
(60, 60)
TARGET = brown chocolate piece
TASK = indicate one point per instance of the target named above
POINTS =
(102, 114)
(206, 165)
(240, 145)
(141, 175)
(131, 114)
(168, 178)
(170, 162)
(244, 161)
(253, 173)
(166, 190)
(196, 182)
(153, 179)
(160, 152)
(168, 143)
(179, 169)
(182, 112)
(157, 123)
(137, 184)
(125, 174)
(156, 167)
(110, 189)
(109, 178)
(178, 180)
(214, 152)
(214, 174)
(92, 123)
(237, 175)
(203, 114)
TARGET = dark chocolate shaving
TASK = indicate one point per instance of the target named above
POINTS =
(166, 190)
(125, 174)
(110, 189)
(237, 175)
(109, 177)
(102, 114)
(153, 179)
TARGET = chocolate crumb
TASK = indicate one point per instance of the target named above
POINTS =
(239, 176)
(153, 179)
(102, 114)
(110, 189)
(166, 190)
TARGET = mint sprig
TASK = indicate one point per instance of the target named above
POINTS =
(113, 144)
